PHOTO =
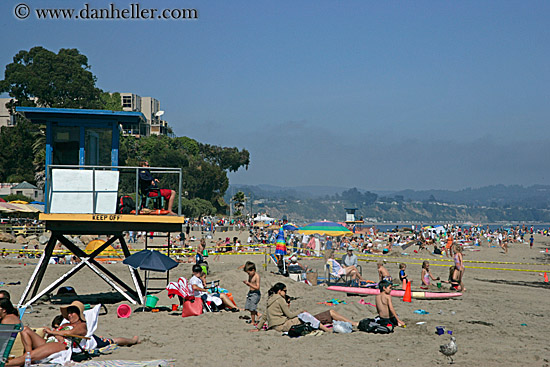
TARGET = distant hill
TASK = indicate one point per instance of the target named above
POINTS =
(486, 204)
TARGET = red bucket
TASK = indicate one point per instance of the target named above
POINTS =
(123, 311)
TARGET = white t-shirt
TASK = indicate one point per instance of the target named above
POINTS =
(198, 282)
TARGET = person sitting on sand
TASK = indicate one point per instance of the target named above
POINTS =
(427, 274)
(280, 318)
(336, 268)
(197, 282)
(383, 273)
(40, 348)
(384, 305)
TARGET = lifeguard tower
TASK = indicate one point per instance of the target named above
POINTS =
(82, 179)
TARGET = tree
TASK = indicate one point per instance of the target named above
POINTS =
(16, 143)
(110, 101)
(204, 166)
(239, 200)
(61, 80)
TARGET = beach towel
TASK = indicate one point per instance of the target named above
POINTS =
(180, 288)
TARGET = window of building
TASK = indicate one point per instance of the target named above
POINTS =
(127, 101)
(18, 192)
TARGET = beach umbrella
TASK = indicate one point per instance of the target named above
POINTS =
(290, 227)
(18, 202)
(280, 243)
(325, 228)
(150, 260)
(2, 200)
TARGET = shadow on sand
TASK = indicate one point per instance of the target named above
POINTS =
(538, 284)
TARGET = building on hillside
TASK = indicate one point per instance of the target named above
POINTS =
(150, 107)
(5, 188)
(28, 190)
(6, 119)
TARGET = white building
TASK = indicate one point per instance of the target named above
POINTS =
(150, 107)
(5, 118)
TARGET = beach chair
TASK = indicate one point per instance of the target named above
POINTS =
(81, 348)
(359, 267)
(8, 333)
(333, 277)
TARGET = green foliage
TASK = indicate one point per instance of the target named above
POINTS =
(203, 175)
(110, 101)
(61, 80)
(196, 207)
(16, 160)
(18, 197)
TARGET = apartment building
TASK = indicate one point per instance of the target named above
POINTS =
(5, 118)
(150, 107)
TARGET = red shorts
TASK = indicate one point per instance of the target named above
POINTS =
(165, 193)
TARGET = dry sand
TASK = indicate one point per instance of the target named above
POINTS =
(486, 321)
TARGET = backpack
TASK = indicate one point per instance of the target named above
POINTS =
(296, 331)
(125, 205)
(374, 326)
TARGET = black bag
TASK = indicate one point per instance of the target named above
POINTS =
(125, 205)
(376, 326)
(300, 330)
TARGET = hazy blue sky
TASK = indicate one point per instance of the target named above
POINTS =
(373, 94)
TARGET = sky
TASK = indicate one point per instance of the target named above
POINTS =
(378, 95)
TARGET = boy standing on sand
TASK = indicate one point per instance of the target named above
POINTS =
(384, 305)
(254, 295)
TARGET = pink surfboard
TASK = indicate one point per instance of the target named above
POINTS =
(395, 292)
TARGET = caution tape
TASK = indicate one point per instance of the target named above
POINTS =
(466, 261)
(467, 267)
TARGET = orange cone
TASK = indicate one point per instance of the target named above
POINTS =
(408, 293)
(545, 277)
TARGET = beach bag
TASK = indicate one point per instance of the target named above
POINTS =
(303, 329)
(125, 205)
(192, 307)
(342, 327)
(374, 326)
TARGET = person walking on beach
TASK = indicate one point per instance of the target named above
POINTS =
(531, 241)
(254, 294)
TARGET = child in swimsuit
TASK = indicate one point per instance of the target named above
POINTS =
(402, 275)
(427, 274)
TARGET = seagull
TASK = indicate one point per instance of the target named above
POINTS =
(449, 349)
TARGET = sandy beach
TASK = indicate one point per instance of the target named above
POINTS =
(501, 320)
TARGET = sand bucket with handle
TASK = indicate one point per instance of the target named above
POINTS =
(151, 301)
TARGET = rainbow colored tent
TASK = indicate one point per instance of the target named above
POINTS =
(280, 244)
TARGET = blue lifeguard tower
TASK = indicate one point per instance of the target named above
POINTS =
(82, 175)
